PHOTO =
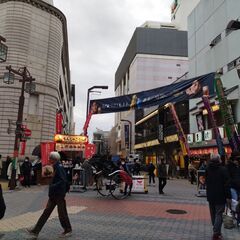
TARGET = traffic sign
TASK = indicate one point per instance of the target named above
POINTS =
(27, 132)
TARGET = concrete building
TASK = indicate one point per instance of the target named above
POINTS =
(101, 139)
(180, 9)
(36, 36)
(212, 47)
(156, 56)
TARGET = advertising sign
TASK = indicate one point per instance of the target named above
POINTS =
(126, 135)
(59, 119)
(90, 150)
(198, 137)
(176, 92)
(207, 135)
(201, 183)
(138, 184)
(46, 148)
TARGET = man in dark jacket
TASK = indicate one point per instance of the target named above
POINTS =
(218, 193)
(26, 170)
(57, 192)
(162, 175)
(151, 169)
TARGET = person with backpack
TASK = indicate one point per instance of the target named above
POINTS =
(57, 191)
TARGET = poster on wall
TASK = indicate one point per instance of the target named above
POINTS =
(46, 148)
(200, 123)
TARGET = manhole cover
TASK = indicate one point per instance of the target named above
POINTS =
(176, 211)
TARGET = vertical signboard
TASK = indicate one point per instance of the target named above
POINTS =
(126, 135)
(59, 119)
(46, 148)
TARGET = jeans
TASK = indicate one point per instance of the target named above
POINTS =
(216, 212)
(62, 214)
(151, 177)
(234, 194)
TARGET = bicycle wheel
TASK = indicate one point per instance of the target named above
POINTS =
(102, 185)
(120, 187)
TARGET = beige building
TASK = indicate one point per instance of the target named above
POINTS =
(36, 36)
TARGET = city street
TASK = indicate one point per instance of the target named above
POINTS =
(141, 216)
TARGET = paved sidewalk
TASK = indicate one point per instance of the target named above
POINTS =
(140, 217)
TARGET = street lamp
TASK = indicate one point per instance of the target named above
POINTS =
(130, 133)
(90, 90)
(3, 50)
(9, 79)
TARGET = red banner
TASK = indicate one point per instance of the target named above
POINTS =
(46, 148)
(59, 119)
(90, 150)
(23, 148)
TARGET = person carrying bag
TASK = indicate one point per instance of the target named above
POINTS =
(2, 204)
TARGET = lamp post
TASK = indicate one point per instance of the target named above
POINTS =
(9, 79)
(130, 133)
(3, 49)
(88, 93)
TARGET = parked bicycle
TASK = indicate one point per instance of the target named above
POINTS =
(109, 179)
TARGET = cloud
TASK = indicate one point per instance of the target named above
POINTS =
(99, 33)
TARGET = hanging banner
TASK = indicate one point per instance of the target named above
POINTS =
(46, 148)
(23, 148)
(218, 137)
(182, 138)
(90, 150)
(59, 119)
(175, 92)
(225, 108)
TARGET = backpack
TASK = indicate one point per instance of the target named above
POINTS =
(2, 204)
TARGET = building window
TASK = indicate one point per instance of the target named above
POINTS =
(216, 40)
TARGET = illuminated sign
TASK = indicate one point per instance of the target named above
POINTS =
(70, 139)
(171, 138)
(198, 137)
(70, 147)
(207, 135)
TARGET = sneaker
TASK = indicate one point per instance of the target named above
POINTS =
(32, 233)
(66, 234)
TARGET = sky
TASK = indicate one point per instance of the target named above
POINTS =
(99, 32)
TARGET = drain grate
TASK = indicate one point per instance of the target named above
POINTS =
(176, 211)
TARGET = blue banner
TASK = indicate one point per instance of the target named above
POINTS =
(176, 92)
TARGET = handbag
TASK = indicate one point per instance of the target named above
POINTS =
(228, 220)
(2, 204)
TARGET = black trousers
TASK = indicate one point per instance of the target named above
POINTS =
(216, 212)
(27, 179)
(151, 177)
(162, 183)
(62, 214)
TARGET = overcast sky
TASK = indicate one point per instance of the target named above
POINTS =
(99, 32)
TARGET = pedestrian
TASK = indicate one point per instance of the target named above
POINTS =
(10, 172)
(162, 175)
(218, 193)
(127, 177)
(26, 170)
(57, 191)
(87, 174)
(151, 174)
(136, 167)
(8, 161)
(192, 172)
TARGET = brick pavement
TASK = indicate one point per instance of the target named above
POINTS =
(142, 216)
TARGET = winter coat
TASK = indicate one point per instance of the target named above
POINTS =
(26, 168)
(151, 169)
(162, 170)
(59, 185)
(9, 171)
(234, 173)
(217, 182)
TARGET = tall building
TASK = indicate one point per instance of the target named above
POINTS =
(180, 9)
(156, 56)
(36, 36)
(213, 45)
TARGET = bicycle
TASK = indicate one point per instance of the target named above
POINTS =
(110, 180)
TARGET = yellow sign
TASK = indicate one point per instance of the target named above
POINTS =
(73, 139)
(171, 138)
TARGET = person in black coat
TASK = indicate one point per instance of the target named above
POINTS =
(218, 193)
(57, 191)
(151, 169)
(26, 170)
(162, 175)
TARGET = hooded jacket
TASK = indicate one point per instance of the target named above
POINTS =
(217, 181)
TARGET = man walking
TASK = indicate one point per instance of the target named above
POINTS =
(151, 169)
(162, 175)
(218, 193)
(57, 192)
(26, 169)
